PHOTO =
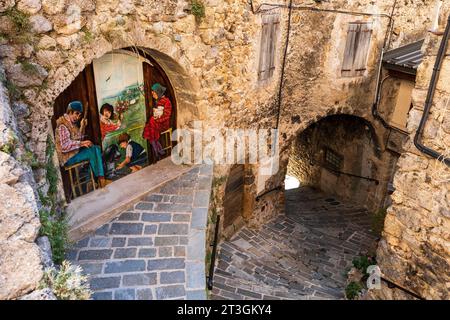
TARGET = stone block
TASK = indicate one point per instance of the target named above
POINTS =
(196, 248)
(139, 242)
(147, 253)
(199, 218)
(125, 266)
(173, 229)
(130, 216)
(142, 279)
(167, 292)
(173, 207)
(124, 294)
(144, 294)
(126, 228)
(166, 241)
(102, 231)
(180, 217)
(172, 277)
(118, 242)
(100, 254)
(102, 295)
(166, 264)
(100, 242)
(92, 268)
(150, 229)
(165, 251)
(154, 198)
(195, 275)
(122, 253)
(145, 206)
(156, 217)
(104, 283)
(196, 294)
(201, 198)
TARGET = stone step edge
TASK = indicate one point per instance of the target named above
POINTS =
(88, 227)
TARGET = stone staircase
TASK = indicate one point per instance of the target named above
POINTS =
(303, 254)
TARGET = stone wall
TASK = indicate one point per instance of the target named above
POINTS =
(212, 65)
(20, 257)
(313, 87)
(415, 251)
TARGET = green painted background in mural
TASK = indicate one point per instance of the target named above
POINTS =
(119, 82)
(133, 116)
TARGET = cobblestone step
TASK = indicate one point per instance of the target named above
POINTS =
(300, 255)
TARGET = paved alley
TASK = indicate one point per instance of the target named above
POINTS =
(154, 250)
(303, 254)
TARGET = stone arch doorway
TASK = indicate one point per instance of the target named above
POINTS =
(340, 155)
(123, 79)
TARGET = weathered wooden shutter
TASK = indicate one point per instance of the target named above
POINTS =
(362, 50)
(274, 27)
(269, 35)
(349, 53)
(356, 49)
(262, 70)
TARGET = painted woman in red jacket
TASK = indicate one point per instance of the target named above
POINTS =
(160, 121)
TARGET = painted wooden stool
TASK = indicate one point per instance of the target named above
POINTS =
(76, 181)
(167, 140)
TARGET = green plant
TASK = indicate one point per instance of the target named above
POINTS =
(198, 9)
(28, 67)
(10, 146)
(20, 19)
(67, 283)
(352, 290)
(363, 262)
(87, 35)
(14, 92)
(55, 228)
(52, 173)
(378, 221)
(30, 159)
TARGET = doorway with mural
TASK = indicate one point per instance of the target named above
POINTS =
(116, 88)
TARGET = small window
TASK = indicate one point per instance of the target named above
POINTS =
(356, 49)
(269, 36)
(333, 160)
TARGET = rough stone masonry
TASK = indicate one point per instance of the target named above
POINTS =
(213, 67)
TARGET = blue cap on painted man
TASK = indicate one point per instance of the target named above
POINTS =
(75, 106)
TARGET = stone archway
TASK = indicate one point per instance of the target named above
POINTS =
(341, 155)
(168, 57)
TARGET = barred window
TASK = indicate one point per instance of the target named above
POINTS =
(269, 36)
(333, 160)
(356, 49)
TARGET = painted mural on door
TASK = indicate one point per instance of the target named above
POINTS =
(119, 85)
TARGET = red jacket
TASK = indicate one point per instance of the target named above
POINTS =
(154, 127)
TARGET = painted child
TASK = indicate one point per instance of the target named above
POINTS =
(108, 120)
(132, 154)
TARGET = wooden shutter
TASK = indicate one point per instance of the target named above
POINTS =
(274, 27)
(356, 49)
(362, 50)
(349, 53)
(262, 70)
(269, 36)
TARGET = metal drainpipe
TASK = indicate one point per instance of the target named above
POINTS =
(429, 101)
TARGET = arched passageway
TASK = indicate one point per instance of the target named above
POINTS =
(335, 179)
